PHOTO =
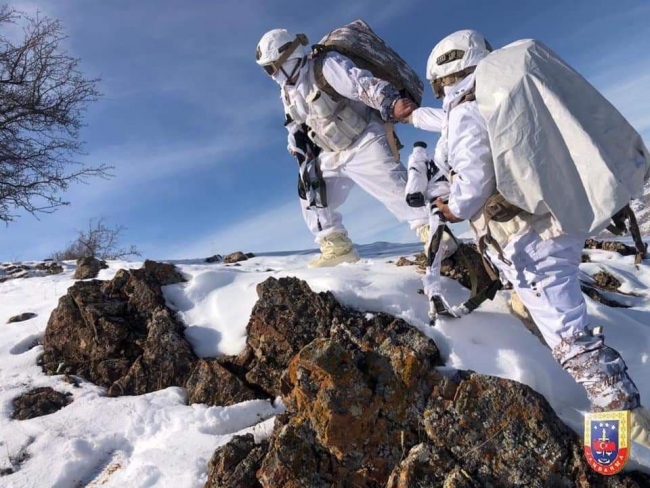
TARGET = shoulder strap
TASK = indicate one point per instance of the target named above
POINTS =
(318, 57)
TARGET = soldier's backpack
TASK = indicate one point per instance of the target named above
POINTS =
(559, 146)
(367, 51)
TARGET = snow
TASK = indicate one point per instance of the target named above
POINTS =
(158, 440)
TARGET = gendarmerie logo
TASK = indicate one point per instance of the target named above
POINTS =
(607, 441)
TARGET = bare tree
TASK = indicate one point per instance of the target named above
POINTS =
(42, 98)
(97, 241)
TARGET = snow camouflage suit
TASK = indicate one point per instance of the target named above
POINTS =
(368, 161)
(540, 261)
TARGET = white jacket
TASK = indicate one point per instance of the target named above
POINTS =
(341, 125)
(464, 139)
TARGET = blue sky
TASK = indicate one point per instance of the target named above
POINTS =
(194, 127)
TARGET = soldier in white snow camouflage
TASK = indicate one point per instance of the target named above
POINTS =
(536, 256)
(339, 138)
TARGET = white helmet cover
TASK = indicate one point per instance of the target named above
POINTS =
(275, 42)
(455, 53)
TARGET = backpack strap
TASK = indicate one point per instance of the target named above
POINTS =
(318, 56)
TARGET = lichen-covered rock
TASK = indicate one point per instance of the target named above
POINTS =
(366, 407)
(88, 267)
(235, 464)
(212, 384)
(39, 402)
(21, 317)
(107, 332)
(502, 433)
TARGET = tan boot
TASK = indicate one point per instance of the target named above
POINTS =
(335, 248)
(640, 426)
(518, 308)
(449, 245)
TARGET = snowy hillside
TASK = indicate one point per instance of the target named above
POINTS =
(158, 440)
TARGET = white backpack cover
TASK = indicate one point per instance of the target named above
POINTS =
(558, 145)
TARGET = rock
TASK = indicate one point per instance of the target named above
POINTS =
(612, 246)
(217, 258)
(235, 464)
(250, 255)
(50, 267)
(606, 281)
(88, 267)
(10, 271)
(235, 257)
(286, 317)
(21, 317)
(110, 332)
(212, 384)
(420, 261)
(39, 402)
(366, 406)
(526, 444)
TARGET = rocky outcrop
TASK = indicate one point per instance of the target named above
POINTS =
(21, 317)
(88, 267)
(236, 464)
(365, 402)
(11, 271)
(121, 335)
(39, 402)
(367, 407)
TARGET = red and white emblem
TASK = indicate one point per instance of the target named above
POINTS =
(607, 441)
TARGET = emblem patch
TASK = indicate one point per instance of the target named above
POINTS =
(607, 441)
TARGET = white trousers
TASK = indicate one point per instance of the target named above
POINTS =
(545, 276)
(371, 165)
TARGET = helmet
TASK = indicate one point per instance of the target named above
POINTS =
(455, 57)
(278, 46)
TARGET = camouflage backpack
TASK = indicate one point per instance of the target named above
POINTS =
(367, 51)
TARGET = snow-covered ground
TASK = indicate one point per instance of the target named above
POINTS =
(156, 440)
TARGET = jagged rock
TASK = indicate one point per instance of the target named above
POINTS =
(612, 246)
(288, 316)
(366, 406)
(213, 384)
(119, 334)
(39, 402)
(21, 317)
(235, 464)
(88, 267)
(217, 258)
(526, 444)
(235, 257)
